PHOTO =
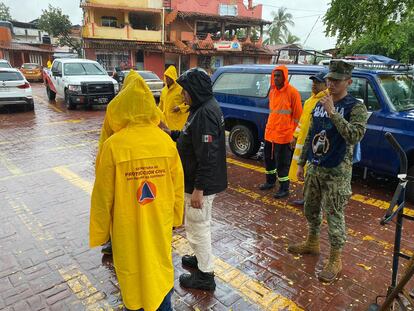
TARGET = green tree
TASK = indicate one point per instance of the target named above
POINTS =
(4, 12)
(375, 26)
(291, 39)
(279, 26)
(57, 24)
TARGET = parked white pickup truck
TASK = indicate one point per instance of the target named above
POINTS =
(79, 82)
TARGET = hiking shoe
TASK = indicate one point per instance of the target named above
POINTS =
(107, 248)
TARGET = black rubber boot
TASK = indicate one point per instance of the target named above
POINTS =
(266, 186)
(190, 261)
(283, 190)
(198, 280)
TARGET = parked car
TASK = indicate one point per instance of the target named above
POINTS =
(32, 72)
(5, 64)
(153, 81)
(242, 92)
(15, 89)
(79, 82)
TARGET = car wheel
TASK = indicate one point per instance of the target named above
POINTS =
(30, 107)
(243, 142)
(50, 94)
(68, 102)
(410, 186)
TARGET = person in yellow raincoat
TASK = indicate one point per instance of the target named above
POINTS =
(137, 199)
(109, 128)
(319, 90)
(172, 101)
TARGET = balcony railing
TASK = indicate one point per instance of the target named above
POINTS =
(93, 31)
(145, 4)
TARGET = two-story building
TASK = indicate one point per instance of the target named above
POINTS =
(152, 34)
(23, 42)
(213, 33)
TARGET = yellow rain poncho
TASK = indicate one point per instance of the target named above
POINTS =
(302, 131)
(137, 199)
(170, 98)
(108, 127)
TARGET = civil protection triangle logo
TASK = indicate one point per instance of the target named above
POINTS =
(146, 193)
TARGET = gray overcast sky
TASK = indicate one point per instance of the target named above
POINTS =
(305, 13)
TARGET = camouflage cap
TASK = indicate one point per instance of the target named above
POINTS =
(339, 70)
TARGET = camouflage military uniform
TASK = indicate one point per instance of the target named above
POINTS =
(329, 189)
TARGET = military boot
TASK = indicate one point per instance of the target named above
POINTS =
(283, 190)
(198, 280)
(333, 267)
(189, 261)
(310, 246)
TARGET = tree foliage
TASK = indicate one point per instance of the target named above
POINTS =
(373, 26)
(278, 31)
(4, 12)
(291, 39)
(57, 24)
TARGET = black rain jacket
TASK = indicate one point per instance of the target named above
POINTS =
(201, 143)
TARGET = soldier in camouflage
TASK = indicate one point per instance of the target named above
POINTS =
(338, 123)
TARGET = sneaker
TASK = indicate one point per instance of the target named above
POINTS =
(107, 248)
(190, 261)
(198, 280)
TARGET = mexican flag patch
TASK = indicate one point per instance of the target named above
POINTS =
(206, 138)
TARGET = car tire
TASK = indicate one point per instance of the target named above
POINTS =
(50, 94)
(243, 142)
(409, 193)
(30, 107)
(68, 102)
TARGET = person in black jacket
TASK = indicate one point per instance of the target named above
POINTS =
(202, 148)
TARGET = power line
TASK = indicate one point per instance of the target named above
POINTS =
(311, 30)
(290, 9)
(294, 17)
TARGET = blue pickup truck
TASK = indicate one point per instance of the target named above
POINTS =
(242, 92)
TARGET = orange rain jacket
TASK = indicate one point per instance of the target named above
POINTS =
(285, 110)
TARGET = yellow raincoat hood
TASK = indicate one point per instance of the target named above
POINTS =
(118, 114)
(138, 197)
(134, 104)
(171, 97)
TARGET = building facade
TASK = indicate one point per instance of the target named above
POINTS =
(153, 34)
(24, 43)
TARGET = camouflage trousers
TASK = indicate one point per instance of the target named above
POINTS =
(327, 193)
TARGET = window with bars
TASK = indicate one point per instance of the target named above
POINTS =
(109, 21)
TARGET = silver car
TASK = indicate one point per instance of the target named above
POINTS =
(154, 83)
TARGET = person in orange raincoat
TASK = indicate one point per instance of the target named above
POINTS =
(137, 199)
(172, 101)
(285, 110)
(319, 90)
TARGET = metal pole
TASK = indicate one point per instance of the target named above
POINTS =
(163, 26)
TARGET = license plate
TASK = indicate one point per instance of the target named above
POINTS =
(102, 100)
(4, 89)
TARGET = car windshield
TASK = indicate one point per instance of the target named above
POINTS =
(30, 66)
(83, 69)
(10, 76)
(148, 75)
(399, 89)
(4, 65)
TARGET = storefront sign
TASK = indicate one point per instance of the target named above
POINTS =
(228, 46)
